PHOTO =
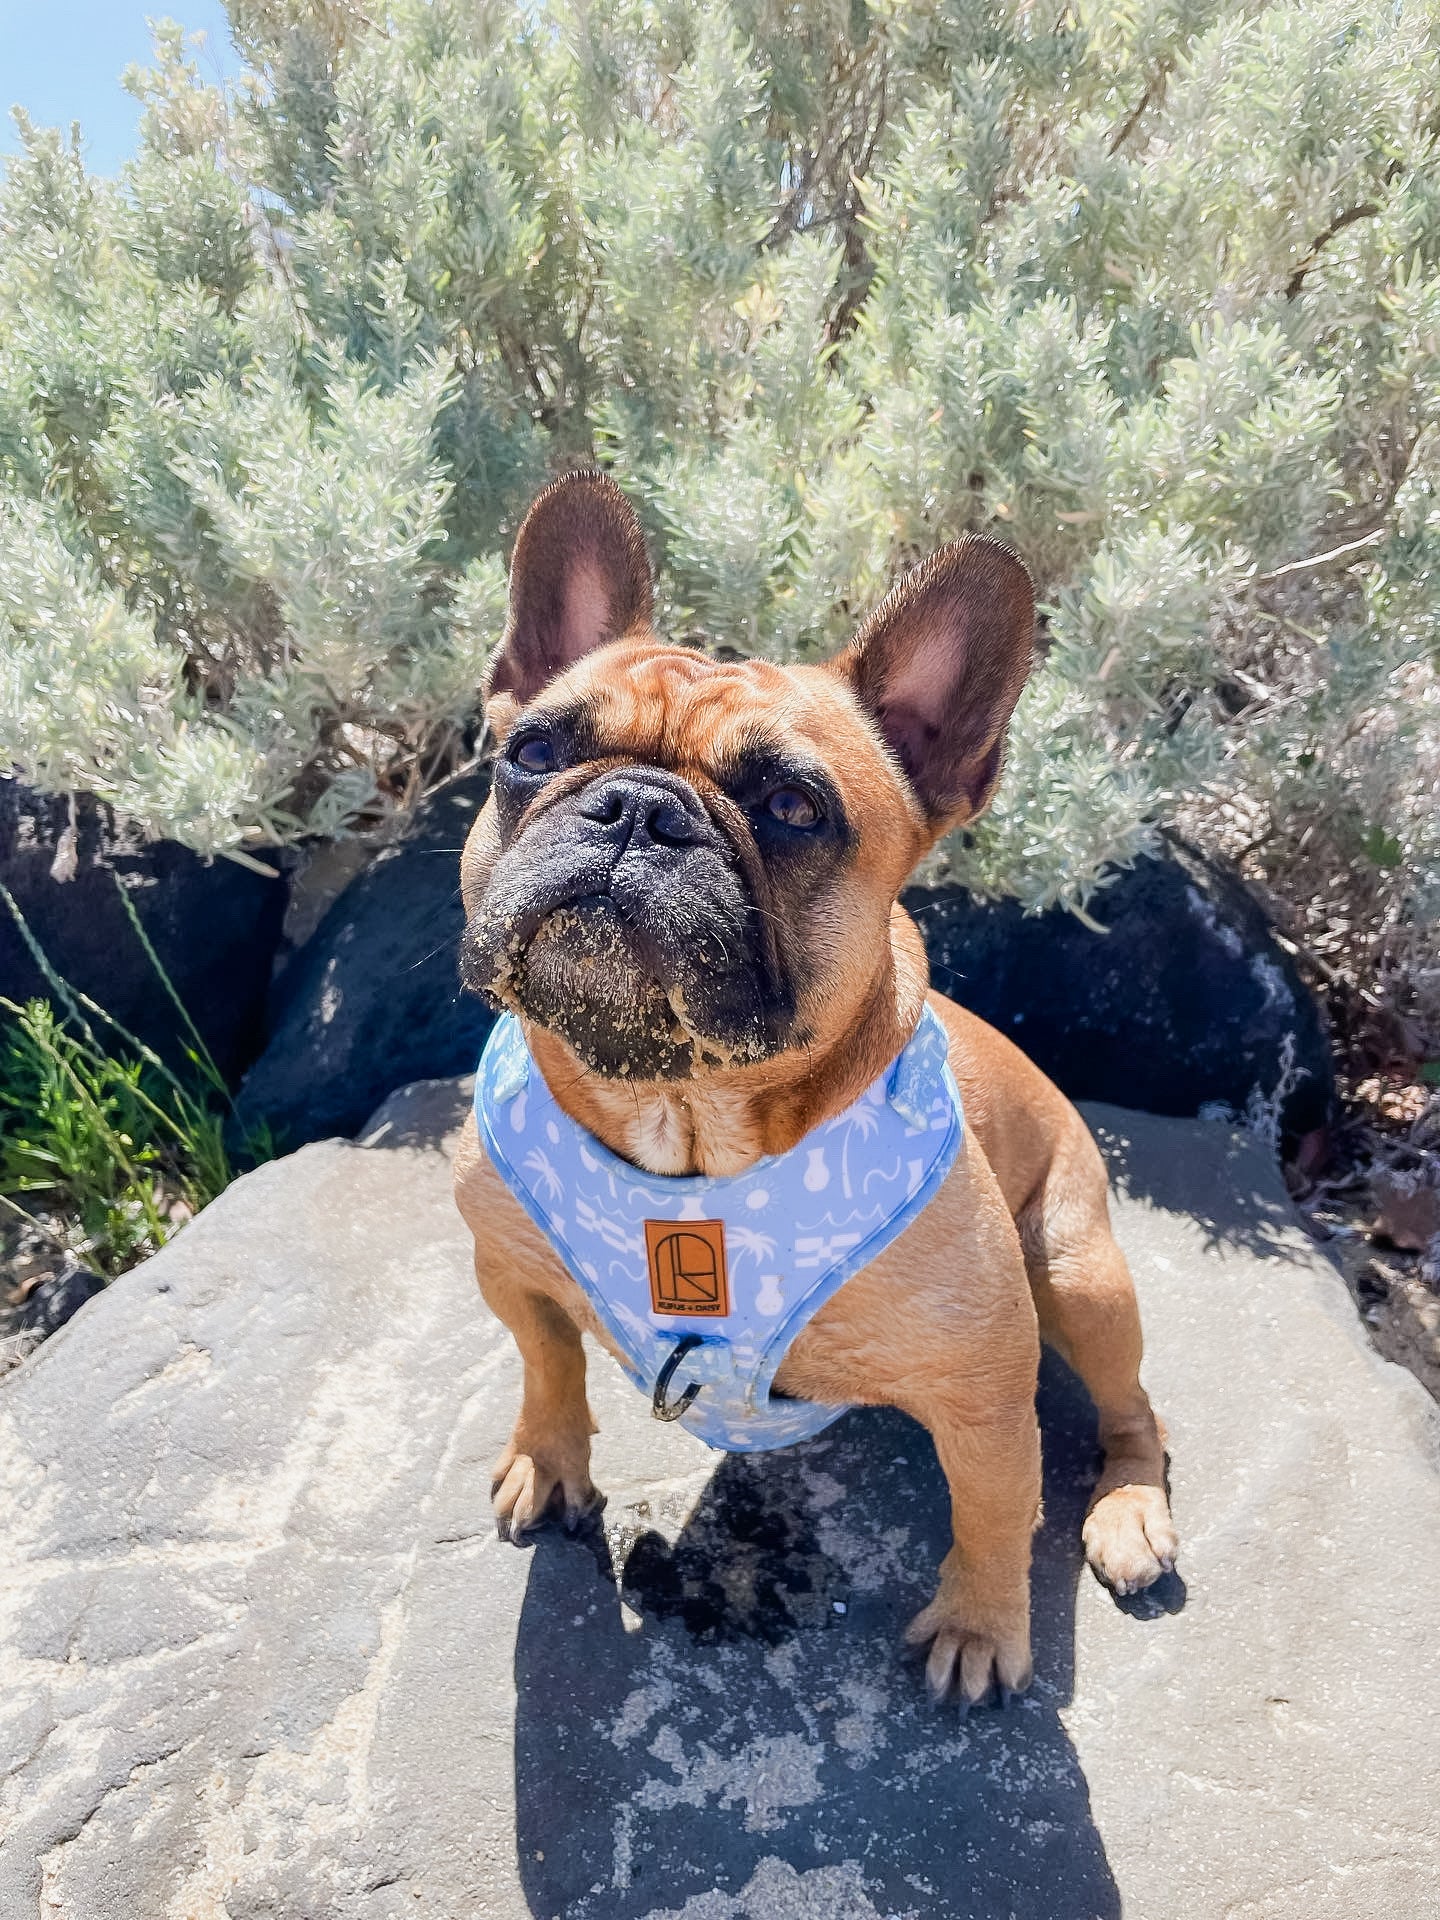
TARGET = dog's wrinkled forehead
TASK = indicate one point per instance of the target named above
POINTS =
(915, 707)
(661, 705)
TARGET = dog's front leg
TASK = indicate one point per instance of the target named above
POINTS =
(546, 1467)
(978, 1625)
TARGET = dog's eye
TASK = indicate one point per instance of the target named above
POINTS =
(535, 755)
(793, 807)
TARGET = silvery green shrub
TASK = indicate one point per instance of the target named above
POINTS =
(1150, 290)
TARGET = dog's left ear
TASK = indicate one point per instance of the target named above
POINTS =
(578, 577)
(939, 666)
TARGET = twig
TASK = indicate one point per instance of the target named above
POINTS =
(249, 862)
(1330, 975)
(1371, 539)
(1137, 112)
(1365, 211)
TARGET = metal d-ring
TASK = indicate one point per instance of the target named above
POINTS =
(662, 1408)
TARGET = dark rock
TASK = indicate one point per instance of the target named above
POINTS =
(214, 924)
(1186, 999)
(373, 1000)
(57, 1299)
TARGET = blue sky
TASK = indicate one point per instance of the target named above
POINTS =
(62, 61)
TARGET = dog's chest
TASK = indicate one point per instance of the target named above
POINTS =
(723, 1271)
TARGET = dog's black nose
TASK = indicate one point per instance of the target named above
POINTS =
(639, 807)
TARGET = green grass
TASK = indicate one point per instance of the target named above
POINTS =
(98, 1134)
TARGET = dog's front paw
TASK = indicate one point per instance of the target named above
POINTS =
(530, 1488)
(1130, 1539)
(972, 1654)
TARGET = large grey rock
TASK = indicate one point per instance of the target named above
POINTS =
(263, 1658)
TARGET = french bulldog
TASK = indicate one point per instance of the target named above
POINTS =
(685, 885)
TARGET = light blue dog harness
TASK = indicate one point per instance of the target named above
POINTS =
(716, 1276)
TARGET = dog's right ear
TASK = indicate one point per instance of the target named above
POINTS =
(578, 577)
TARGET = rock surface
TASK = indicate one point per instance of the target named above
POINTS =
(215, 925)
(372, 1000)
(264, 1659)
(1183, 1000)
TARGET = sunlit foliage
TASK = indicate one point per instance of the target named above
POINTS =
(1150, 288)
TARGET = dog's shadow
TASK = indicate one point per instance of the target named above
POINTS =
(731, 1713)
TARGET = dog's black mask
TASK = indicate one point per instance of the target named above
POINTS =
(619, 916)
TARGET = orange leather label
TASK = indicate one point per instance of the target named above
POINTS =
(686, 1259)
